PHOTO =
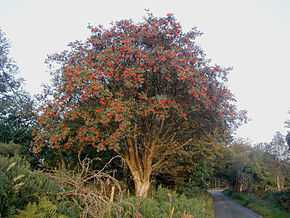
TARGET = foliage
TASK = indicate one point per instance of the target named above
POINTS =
(16, 106)
(165, 203)
(44, 208)
(278, 147)
(268, 205)
(254, 168)
(288, 133)
(259, 176)
(143, 90)
(283, 198)
(92, 192)
(288, 140)
(199, 180)
(19, 185)
(9, 149)
(82, 192)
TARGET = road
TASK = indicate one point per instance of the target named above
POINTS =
(226, 208)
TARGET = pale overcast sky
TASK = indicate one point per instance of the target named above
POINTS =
(250, 35)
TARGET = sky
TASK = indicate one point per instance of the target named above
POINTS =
(252, 36)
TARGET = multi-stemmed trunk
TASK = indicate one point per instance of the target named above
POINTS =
(142, 187)
(150, 156)
(141, 180)
(140, 167)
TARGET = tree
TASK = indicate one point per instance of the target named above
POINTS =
(288, 133)
(144, 90)
(288, 140)
(278, 148)
(16, 105)
(248, 167)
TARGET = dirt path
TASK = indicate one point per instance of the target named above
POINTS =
(226, 208)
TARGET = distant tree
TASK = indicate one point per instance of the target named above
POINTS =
(16, 116)
(238, 168)
(144, 90)
(278, 147)
(248, 168)
(288, 140)
(288, 134)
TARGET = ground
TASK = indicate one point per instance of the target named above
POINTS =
(226, 208)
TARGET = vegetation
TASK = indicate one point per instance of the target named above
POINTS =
(137, 123)
(62, 193)
(269, 205)
(165, 203)
(16, 117)
(20, 186)
(143, 90)
(255, 168)
(259, 176)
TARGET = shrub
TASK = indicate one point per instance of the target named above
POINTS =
(283, 198)
(13, 172)
(9, 149)
(44, 208)
(243, 198)
(19, 185)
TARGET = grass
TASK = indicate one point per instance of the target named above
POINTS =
(166, 204)
(266, 207)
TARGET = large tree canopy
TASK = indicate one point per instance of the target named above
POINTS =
(15, 103)
(144, 90)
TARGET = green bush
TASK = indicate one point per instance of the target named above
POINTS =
(283, 198)
(13, 172)
(44, 208)
(243, 198)
(198, 181)
(9, 149)
(20, 186)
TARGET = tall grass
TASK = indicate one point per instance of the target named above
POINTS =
(165, 203)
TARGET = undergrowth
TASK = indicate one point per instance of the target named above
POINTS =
(267, 205)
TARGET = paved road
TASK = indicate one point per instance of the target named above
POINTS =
(226, 208)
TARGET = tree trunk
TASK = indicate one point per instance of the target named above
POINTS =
(142, 188)
(238, 186)
(141, 178)
(140, 167)
(278, 183)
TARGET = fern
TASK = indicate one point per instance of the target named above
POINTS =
(44, 209)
